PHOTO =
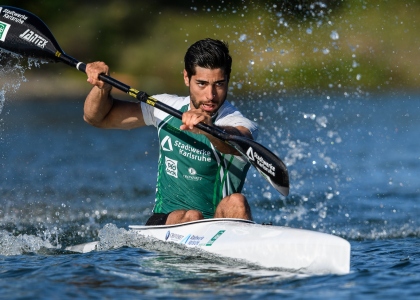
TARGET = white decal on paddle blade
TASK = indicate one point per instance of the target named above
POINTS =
(34, 38)
(4, 28)
(263, 166)
(250, 154)
(13, 16)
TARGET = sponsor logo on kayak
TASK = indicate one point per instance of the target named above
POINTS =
(191, 240)
(171, 167)
(13, 16)
(185, 239)
(215, 237)
(264, 166)
(174, 237)
(4, 28)
(195, 240)
(192, 175)
(34, 38)
(168, 233)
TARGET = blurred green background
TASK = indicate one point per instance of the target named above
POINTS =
(278, 47)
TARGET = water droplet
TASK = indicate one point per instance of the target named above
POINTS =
(334, 35)
(322, 121)
(267, 195)
(242, 37)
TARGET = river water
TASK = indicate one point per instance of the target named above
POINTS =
(354, 165)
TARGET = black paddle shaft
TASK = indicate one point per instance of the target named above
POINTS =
(24, 33)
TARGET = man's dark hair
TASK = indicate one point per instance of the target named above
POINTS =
(209, 54)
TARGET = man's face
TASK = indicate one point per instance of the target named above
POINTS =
(208, 89)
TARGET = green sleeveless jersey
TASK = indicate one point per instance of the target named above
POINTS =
(192, 174)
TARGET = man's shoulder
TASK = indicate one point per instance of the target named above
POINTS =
(227, 110)
(229, 115)
(153, 116)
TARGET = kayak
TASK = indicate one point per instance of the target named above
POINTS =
(268, 246)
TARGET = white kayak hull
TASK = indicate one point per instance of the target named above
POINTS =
(264, 245)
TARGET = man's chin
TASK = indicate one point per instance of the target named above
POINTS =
(209, 112)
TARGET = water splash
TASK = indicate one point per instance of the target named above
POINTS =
(13, 68)
(309, 38)
(283, 47)
(11, 74)
(305, 148)
(23, 243)
(112, 237)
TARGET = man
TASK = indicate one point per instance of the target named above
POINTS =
(199, 176)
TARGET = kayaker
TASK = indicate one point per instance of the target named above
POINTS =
(199, 176)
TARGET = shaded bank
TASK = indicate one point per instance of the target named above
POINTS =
(352, 47)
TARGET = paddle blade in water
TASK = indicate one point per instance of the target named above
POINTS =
(24, 33)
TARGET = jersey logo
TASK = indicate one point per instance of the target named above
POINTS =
(171, 167)
(193, 175)
(167, 144)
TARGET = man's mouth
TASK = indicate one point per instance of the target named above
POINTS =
(208, 107)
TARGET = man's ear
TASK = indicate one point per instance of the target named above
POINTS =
(186, 79)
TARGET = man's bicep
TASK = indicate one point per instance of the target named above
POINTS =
(245, 132)
(125, 115)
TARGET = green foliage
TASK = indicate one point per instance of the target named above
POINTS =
(344, 45)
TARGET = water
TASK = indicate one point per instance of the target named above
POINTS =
(354, 168)
(353, 161)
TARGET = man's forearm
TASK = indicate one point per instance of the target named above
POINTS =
(222, 146)
(98, 103)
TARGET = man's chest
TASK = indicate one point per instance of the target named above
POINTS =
(186, 154)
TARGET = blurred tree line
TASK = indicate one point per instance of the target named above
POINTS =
(277, 46)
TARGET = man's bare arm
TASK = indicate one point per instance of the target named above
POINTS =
(223, 147)
(102, 110)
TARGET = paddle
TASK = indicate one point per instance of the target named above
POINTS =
(24, 33)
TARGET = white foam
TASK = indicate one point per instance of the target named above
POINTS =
(23, 243)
